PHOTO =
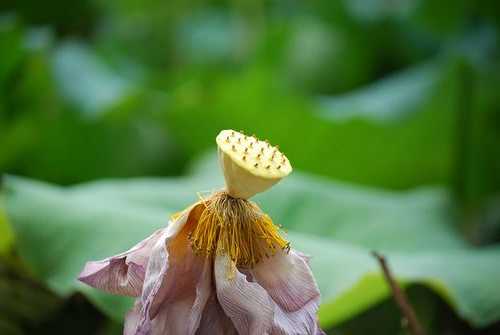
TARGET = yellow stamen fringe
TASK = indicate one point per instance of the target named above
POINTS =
(238, 228)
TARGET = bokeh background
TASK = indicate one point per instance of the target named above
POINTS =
(389, 111)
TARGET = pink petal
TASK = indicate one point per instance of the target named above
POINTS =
(301, 322)
(320, 332)
(176, 287)
(122, 274)
(214, 320)
(180, 313)
(132, 319)
(287, 278)
(246, 303)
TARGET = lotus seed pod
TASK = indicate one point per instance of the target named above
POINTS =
(250, 166)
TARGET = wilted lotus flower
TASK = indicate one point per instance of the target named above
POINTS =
(220, 266)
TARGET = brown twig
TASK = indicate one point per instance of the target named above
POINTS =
(400, 297)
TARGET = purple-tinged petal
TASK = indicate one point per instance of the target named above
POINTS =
(214, 320)
(287, 278)
(246, 303)
(300, 322)
(122, 274)
(132, 319)
(182, 268)
(181, 312)
(177, 283)
(320, 332)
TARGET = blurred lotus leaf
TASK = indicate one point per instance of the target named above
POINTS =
(74, 117)
(389, 99)
(336, 223)
(404, 139)
(85, 80)
(5, 231)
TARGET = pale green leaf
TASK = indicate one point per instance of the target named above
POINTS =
(73, 225)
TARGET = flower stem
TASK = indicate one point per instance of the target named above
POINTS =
(400, 297)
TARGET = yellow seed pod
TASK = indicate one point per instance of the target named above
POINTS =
(250, 165)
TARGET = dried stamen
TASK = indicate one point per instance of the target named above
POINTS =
(237, 228)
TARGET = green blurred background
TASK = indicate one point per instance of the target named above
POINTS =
(389, 110)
